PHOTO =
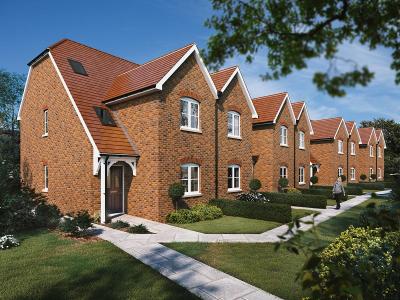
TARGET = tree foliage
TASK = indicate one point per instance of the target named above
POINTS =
(294, 32)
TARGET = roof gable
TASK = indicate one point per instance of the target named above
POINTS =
(300, 108)
(366, 133)
(352, 127)
(327, 128)
(269, 107)
(380, 136)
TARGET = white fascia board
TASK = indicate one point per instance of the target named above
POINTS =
(345, 128)
(383, 138)
(289, 104)
(305, 110)
(96, 152)
(229, 80)
(24, 93)
(356, 130)
(202, 68)
(129, 97)
(242, 83)
(372, 133)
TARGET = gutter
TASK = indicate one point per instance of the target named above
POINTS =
(216, 145)
(294, 155)
(131, 96)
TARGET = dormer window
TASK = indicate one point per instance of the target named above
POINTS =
(77, 67)
(104, 116)
(233, 124)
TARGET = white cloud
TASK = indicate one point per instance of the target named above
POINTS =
(322, 111)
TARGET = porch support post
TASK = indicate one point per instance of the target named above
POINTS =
(103, 189)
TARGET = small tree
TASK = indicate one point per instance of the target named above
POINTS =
(373, 176)
(254, 185)
(363, 177)
(283, 183)
(343, 177)
(314, 179)
(176, 192)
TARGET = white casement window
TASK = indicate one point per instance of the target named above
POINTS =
(301, 140)
(283, 136)
(233, 178)
(233, 124)
(340, 171)
(353, 174)
(371, 172)
(190, 178)
(301, 175)
(379, 173)
(190, 115)
(353, 148)
(340, 146)
(283, 172)
(379, 151)
(371, 151)
(46, 178)
(45, 122)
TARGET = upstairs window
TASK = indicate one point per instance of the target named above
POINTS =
(379, 151)
(353, 174)
(46, 178)
(340, 146)
(353, 148)
(301, 175)
(189, 114)
(283, 172)
(190, 178)
(283, 136)
(104, 116)
(45, 122)
(340, 171)
(301, 140)
(371, 151)
(233, 178)
(233, 124)
(77, 67)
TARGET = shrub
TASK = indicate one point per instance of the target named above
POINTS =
(373, 195)
(76, 224)
(314, 201)
(141, 228)
(47, 215)
(314, 179)
(283, 182)
(8, 241)
(343, 177)
(373, 176)
(208, 212)
(119, 224)
(183, 216)
(367, 258)
(363, 177)
(255, 185)
(255, 210)
(326, 193)
(176, 192)
(293, 191)
(252, 197)
(368, 185)
(351, 189)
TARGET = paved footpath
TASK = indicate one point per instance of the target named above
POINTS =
(200, 279)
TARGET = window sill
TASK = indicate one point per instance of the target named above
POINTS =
(284, 145)
(302, 148)
(341, 153)
(192, 195)
(353, 154)
(191, 129)
(45, 135)
(351, 179)
(45, 190)
(302, 183)
(234, 137)
(234, 190)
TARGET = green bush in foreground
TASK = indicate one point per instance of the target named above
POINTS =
(119, 224)
(198, 213)
(255, 185)
(208, 212)
(77, 224)
(141, 228)
(255, 210)
(314, 201)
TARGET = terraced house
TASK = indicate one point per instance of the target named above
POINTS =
(353, 154)
(380, 158)
(105, 134)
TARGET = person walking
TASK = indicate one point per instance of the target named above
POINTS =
(338, 191)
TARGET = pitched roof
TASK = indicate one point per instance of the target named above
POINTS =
(89, 91)
(379, 134)
(366, 134)
(351, 125)
(326, 128)
(297, 108)
(268, 107)
(222, 77)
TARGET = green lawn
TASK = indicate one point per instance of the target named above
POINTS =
(229, 224)
(46, 266)
(260, 265)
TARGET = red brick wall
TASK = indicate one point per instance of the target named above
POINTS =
(381, 162)
(353, 159)
(302, 155)
(66, 151)
(365, 161)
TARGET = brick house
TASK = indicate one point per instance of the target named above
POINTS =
(301, 158)
(104, 134)
(273, 140)
(367, 148)
(352, 152)
(328, 148)
(380, 157)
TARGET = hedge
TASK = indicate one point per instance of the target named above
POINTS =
(350, 189)
(326, 193)
(369, 185)
(314, 201)
(281, 213)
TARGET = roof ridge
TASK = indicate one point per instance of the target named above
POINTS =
(259, 98)
(328, 119)
(98, 50)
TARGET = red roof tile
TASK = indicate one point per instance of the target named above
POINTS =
(221, 77)
(267, 107)
(145, 76)
(365, 134)
(89, 91)
(297, 107)
(325, 128)
(349, 126)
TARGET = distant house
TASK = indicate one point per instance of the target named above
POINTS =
(353, 154)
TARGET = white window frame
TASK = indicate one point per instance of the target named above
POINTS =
(353, 174)
(190, 127)
(302, 140)
(232, 179)
(283, 174)
(235, 117)
(190, 167)
(301, 176)
(45, 123)
(340, 146)
(379, 152)
(371, 151)
(379, 173)
(371, 171)
(340, 171)
(283, 136)
(353, 148)
(46, 178)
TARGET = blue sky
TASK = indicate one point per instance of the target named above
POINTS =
(142, 30)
